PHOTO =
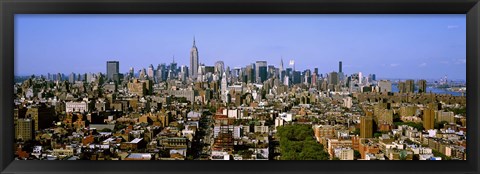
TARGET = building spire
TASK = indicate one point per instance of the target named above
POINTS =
(173, 58)
(281, 63)
(194, 41)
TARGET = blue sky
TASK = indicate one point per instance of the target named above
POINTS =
(390, 46)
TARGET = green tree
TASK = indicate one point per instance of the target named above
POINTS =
(297, 143)
(120, 126)
(356, 131)
(403, 155)
(396, 118)
(439, 154)
(458, 111)
(106, 130)
(356, 154)
(418, 126)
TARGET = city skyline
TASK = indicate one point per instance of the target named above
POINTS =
(239, 89)
(441, 50)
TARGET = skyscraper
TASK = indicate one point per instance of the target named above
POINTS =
(261, 71)
(183, 72)
(163, 71)
(173, 68)
(271, 71)
(340, 67)
(71, 78)
(428, 118)
(224, 87)
(281, 64)
(24, 129)
(201, 73)
(296, 77)
(286, 80)
(142, 74)
(307, 77)
(249, 74)
(340, 72)
(289, 73)
(385, 85)
(366, 127)
(409, 86)
(292, 64)
(150, 72)
(333, 78)
(194, 60)
(219, 67)
(131, 72)
(360, 77)
(59, 76)
(314, 79)
(401, 87)
(236, 73)
(112, 69)
(227, 71)
(422, 86)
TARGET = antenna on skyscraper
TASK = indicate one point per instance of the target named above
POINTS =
(292, 63)
(281, 63)
(193, 40)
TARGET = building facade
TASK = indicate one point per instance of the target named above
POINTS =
(422, 86)
(194, 60)
(76, 107)
(366, 127)
(112, 69)
(24, 129)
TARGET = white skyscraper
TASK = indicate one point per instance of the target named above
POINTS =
(219, 67)
(224, 87)
(131, 72)
(292, 64)
(194, 60)
(150, 72)
(360, 77)
(286, 81)
(142, 74)
(200, 73)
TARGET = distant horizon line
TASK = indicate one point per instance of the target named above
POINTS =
(377, 78)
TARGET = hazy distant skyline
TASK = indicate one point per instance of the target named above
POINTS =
(390, 46)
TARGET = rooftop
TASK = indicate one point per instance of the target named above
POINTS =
(136, 140)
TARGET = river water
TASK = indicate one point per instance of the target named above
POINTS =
(433, 90)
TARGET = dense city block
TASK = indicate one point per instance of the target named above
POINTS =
(256, 112)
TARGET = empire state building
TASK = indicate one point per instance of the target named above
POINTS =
(194, 61)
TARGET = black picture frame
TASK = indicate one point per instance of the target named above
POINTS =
(9, 8)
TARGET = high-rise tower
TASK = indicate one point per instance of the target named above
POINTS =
(219, 68)
(422, 86)
(261, 71)
(281, 64)
(224, 87)
(340, 66)
(428, 118)
(194, 60)
(112, 69)
(366, 127)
